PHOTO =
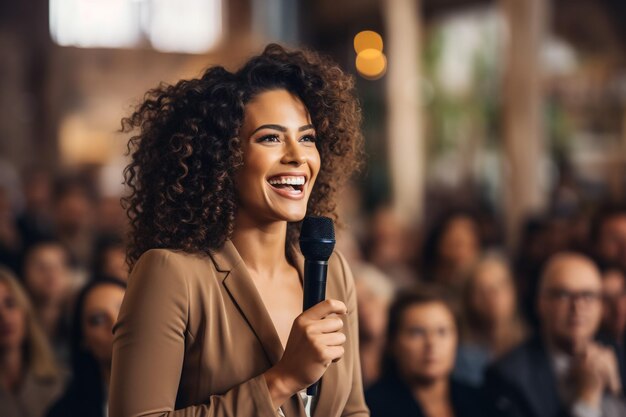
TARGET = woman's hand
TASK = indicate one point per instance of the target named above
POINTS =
(314, 342)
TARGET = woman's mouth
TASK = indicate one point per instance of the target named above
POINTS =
(290, 186)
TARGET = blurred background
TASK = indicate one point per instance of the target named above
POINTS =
(490, 125)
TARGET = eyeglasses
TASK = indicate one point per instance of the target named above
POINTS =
(562, 296)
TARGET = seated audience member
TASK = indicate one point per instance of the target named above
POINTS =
(421, 345)
(96, 311)
(492, 323)
(110, 258)
(30, 381)
(563, 371)
(11, 241)
(73, 208)
(47, 279)
(613, 328)
(452, 247)
(374, 292)
(608, 234)
(35, 219)
(390, 247)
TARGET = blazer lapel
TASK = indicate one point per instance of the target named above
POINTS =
(243, 291)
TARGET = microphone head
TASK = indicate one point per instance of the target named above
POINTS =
(317, 238)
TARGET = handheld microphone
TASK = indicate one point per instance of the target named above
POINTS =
(317, 241)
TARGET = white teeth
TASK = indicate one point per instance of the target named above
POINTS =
(287, 180)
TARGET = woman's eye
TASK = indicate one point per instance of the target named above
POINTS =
(96, 320)
(269, 138)
(308, 138)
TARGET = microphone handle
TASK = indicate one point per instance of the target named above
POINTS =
(314, 293)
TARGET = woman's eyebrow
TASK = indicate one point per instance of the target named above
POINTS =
(281, 128)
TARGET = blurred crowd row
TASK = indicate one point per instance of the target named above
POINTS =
(458, 325)
(451, 323)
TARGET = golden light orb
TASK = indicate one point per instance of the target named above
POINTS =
(368, 39)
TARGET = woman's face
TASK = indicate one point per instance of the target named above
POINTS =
(46, 273)
(425, 347)
(102, 305)
(114, 264)
(459, 244)
(280, 159)
(493, 293)
(12, 320)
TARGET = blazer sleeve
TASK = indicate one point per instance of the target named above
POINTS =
(149, 348)
(355, 406)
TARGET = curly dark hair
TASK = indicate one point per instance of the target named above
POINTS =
(186, 150)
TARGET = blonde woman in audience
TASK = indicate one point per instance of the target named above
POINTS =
(492, 323)
(29, 378)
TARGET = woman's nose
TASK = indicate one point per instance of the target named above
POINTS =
(293, 154)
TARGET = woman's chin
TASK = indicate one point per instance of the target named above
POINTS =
(292, 216)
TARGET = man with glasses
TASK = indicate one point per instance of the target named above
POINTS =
(563, 371)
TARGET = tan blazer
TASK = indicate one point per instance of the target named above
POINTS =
(194, 336)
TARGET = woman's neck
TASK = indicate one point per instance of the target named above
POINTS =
(434, 391)
(495, 335)
(10, 367)
(49, 315)
(262, 247)
(105, 371)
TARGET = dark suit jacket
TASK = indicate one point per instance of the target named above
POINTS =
(390, 397)
(193, 336)
(523, 383)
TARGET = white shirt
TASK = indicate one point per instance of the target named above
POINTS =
(306, 400)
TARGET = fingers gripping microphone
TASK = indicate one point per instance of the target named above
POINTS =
(317, 241)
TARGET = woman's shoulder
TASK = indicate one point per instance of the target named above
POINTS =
(175, 264)
(168, 254)
(176, 257)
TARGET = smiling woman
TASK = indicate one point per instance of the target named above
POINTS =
(224, 168)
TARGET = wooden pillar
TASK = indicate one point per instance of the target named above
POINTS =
(405, 136)
(524, 142)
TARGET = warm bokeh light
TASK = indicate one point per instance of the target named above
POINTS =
(371, 63)
(368, 39)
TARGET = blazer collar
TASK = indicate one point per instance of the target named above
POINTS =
(245, 295)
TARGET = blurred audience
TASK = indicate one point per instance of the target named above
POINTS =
(613, 327)
(608, 234)
(542, 237)
(30, 380)
(390, 247)
(492, 323)
(47, 278)
(374, 292)
(97, 307)
(74, 208)
(562, 371)
(422, 337)
(11, 242)
(35, 220)
(451, 249)
(110, 258)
